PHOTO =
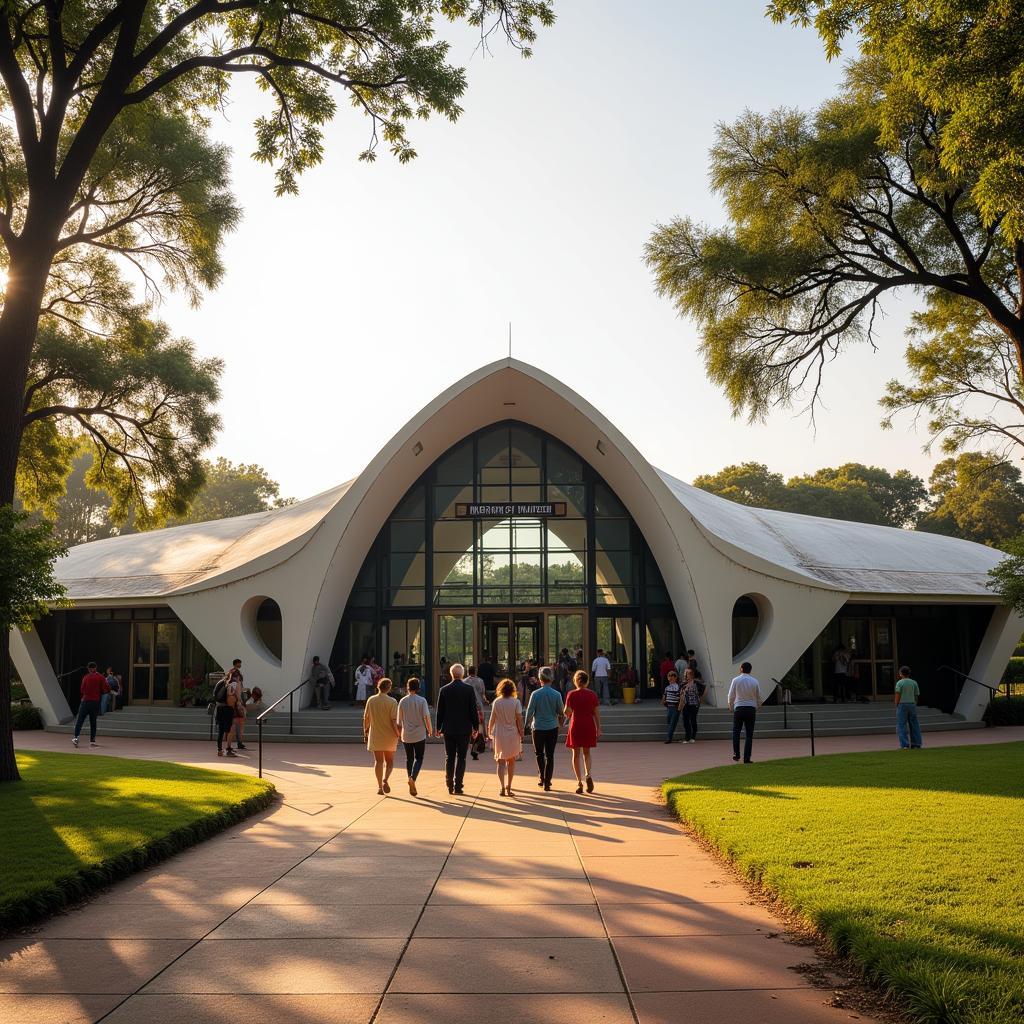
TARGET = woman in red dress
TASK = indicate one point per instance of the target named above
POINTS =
(583, 710)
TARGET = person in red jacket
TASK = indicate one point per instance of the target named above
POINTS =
(94, 685)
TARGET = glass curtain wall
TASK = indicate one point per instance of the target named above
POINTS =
(438, 568)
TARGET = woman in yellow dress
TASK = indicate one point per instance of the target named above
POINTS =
(381, 732)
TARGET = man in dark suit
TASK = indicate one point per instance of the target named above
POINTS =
(457, 721)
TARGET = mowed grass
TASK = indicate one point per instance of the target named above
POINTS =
(77, 821)
(910, 861)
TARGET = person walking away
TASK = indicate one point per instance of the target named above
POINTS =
(241, 714)
(681, 665)
(381, 732)
(692, 696)
(670, 699)
(527, 681)
(545, 713)
(414, 726)
(458, 723)
(667, 665)
(472, 679)
(108, 702)
(908, 726)
(744, 698)
(225, 713)
(236, 701)
(506, 730)
(566, 666)
(841, 674)
(323, 680)
(584, 712)
(602, 670)
(93, 687)
(486, 672)
(364, 682)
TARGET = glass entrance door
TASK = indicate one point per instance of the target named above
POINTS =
(156, 662)
(872, 641)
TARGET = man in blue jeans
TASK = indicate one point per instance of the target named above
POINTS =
(545, 713)
(908, 728)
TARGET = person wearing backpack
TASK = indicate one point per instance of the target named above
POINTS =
(225, 694)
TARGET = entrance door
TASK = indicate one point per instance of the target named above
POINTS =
(156, 662)
(527, 631)
(872, 642)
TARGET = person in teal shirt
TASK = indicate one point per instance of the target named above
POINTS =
(546, 713)
(908, 728)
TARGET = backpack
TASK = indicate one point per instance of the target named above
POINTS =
(220, 692)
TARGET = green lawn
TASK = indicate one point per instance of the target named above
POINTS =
(78, 820)
(911, 861)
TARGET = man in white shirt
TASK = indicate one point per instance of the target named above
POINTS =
(744, 698)
(601, 670)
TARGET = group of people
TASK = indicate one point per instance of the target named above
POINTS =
(231, 705)
(99, 694)
(464, 714)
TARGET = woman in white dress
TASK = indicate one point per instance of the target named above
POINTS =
(365, 682)
(506, 730)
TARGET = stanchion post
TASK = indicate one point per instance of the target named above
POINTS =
(291, 713)
(812, 734)
(259, 744)
(785, 715)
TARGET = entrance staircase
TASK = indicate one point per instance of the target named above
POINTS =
(622, 723)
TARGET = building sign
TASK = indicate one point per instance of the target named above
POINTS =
(511, 510)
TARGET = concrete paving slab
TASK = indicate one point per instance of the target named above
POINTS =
(724, 962)
(48, 1009)
(522, 1009)
(286, 966)
(84, 966)
(483, 891)
(510, 922)
(669, 890)
(100, 920)
(389, 866)
(668, 919)
(776, 1006)
(507, 966)
(173, 1008)
(325, 921)
(490, 865)
(367, 890)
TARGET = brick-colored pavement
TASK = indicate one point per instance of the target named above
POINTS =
(338, 906)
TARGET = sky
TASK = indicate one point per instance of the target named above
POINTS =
(346, 309)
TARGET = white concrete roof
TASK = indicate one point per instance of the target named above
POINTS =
(160, 562)
(824, 553)
(858, 557)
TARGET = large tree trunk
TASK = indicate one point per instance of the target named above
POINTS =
(18, 325)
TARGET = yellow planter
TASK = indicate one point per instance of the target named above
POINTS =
(629, 695)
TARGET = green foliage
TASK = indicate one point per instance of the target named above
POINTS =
(1007, 578)
(828, 212)
(963, 62)
(27, 584)
(78, 823)
(1014, 672)
(965, 379)
(1005, 710)
(870, 849)
(140, 400)
(232, 490)
(26, 717)
(978, 497)
(865, 494)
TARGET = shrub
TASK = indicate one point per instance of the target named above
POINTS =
(1005, 711)
(1014, 671)
(18, 691)
(26, 717)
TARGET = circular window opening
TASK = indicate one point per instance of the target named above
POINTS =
(745, 620)
(268, 625)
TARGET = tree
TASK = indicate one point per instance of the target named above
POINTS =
(828, 214)
(1007, 578)
(966, 381)
(978, 497)
(863, 494)
(27, 584)
(750, 483)
(105, 163)
(82, 513)
(233, 490)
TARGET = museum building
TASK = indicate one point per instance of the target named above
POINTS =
(510, 518)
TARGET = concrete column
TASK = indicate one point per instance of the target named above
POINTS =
(36, 672)
(989, 663)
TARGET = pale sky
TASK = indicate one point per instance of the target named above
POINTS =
(348, 308)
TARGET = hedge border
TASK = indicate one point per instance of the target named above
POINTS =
(87, 881)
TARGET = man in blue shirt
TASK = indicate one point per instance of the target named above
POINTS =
(546, 712)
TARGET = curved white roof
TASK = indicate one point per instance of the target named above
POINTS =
(160, 562)
(825, 553)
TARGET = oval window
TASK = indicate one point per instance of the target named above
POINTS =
(745, 619)
(268, 626)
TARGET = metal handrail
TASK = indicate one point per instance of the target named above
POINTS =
(290, 695)
(963, 675)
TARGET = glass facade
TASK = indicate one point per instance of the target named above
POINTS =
(465, 582)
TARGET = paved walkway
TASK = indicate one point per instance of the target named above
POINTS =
(341, 907)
